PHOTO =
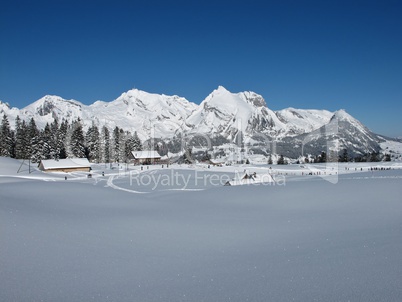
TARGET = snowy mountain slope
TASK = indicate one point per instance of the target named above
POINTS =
(353, 135)
(50, 107)
(135, 110)
(11, 112)
(394, 148)
(342, 132)
(148, 114)
(300, 121)
(227, 113)
(221, 113)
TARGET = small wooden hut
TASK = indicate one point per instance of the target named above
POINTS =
(145, 157)
(65, 165)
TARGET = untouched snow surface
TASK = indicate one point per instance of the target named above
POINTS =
(97, 240)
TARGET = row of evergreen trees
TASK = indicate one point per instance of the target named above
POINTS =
(342, 157)
(62, 140)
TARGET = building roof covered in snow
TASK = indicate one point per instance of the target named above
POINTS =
(65, 165)
(149, 154)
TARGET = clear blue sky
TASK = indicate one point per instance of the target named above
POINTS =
(302, 54)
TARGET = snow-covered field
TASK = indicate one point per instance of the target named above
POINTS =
(178, 234)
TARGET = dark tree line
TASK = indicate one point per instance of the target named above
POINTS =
(344, 157)
(62, 140)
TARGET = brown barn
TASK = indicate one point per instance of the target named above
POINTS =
(65, 165)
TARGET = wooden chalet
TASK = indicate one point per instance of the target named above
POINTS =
(65, 165)
(145, 157)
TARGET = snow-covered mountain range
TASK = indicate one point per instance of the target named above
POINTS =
(226, 113)
(221, 113)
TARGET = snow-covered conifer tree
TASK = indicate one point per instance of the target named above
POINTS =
(116, 144)
(77, 140)
(21, 145)
(92, 140)
(105, 145)
(6, 138)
